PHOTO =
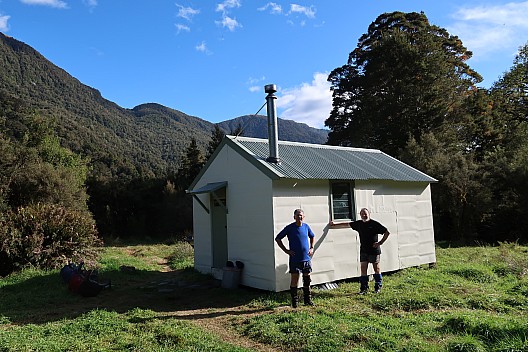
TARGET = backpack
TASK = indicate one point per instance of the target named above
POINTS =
(91, 288)
(81, 281)
(69, 270)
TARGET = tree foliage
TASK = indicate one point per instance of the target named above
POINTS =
(191, 164)
(45, 219)
(402, 80)
(407, 89)
(216, 138)
(46, 236)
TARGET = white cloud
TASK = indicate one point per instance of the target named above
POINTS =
(227, 4)
(487, 29)
(90, 3)
(186, 12)
(53, 3)
(97, 51)
(295, 11)
(255, 84)
(229, 23)
(307, 11)
(275, 9)
(309, 103)
(3, 23)
(202, 47)
(182, 28)
(254, 81)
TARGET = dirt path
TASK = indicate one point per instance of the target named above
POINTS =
(209, 310)
(178, 294)
(171, 294)
(219, 322)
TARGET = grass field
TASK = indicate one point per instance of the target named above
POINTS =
(474, 299)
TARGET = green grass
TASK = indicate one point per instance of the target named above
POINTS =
(99, 330)
(474, 299)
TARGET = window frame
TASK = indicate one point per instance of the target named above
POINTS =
(350, 185)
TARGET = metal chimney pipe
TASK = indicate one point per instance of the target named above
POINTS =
(273, 134)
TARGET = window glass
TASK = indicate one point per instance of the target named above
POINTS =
(342, 200)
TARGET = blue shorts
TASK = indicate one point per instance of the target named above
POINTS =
(301, 267)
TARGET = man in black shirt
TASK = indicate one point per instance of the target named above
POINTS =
(370, 250)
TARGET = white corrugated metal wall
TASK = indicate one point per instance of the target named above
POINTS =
(403, 207)
(249, 219)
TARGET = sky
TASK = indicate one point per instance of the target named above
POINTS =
(212, 59)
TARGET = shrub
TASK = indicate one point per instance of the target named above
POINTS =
(46, 236)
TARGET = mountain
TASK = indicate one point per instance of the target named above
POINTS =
(288, 130)
(144, 141)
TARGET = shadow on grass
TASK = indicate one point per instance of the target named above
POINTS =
(46, 298)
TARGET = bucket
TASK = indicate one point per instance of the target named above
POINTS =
(231, 277)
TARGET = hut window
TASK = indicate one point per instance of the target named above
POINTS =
(342, 200)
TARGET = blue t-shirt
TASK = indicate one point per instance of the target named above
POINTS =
(298, 238)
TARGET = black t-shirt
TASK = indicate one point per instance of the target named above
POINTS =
(368, 235)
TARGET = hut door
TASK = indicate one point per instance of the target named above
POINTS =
(219, 228)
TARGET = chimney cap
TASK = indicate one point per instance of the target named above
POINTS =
(270, 88)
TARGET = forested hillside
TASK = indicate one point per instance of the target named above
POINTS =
(140, 142)
(131, 163)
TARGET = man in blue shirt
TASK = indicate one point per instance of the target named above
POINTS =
(301, 249)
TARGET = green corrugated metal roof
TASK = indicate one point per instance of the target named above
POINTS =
(314, 161)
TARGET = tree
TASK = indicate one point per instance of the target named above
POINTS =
(513, 86)
(507, 162)
(461, 196)
(481, 161)
(191, 164)
(404, 79)
(216, 138)
(35, 168)
(238, 131)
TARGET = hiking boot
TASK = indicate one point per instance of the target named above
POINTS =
(307, 297)
(294, 297)
(295, 302)
(364, 285)
(363, 289)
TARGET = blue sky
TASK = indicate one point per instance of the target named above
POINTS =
(211, 59)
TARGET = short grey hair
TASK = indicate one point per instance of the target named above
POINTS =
(298, 210)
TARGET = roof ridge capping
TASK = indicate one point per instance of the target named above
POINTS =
(312, 145)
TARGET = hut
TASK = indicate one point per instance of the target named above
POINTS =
(249, 188)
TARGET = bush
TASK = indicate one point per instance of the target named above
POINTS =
(46, 236)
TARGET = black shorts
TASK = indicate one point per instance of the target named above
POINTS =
(301, 267)
(370, 258)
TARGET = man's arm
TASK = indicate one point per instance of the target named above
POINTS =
(339, 225)
(283, 247)
(379, 243)
(311, 250)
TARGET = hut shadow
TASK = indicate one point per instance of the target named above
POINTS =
(184, 293)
